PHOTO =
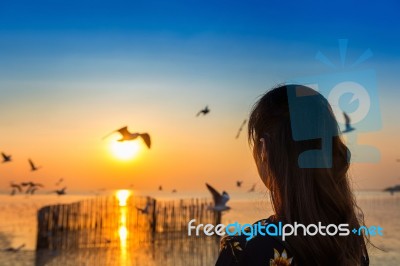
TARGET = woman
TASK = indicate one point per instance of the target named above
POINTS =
(303, 163)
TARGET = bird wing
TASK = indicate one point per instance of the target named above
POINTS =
(18, 187)
(61, 191)
(347, 119)
(215, 194)
(109, 134)
(252, 188)
(241, 128)
(31, 164)
(124, 132)
(238, 133)
(146, 208)
(146, 139)
(4, 156)
(224, 199)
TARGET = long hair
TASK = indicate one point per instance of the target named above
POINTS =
(306, 195)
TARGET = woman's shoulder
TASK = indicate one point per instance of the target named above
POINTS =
(254, 249)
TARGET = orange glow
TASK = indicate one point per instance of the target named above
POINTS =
(125, 150)
(122, 196)
(123, 235)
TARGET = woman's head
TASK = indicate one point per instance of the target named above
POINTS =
(303, 163)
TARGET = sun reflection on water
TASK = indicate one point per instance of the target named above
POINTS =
(123, 233)
(122, 196)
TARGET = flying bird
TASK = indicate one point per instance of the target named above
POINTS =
(252, 189)
(204, 111)
(240, 129)
(15, 188)
(31, 184)
(60, 192)
(239, 183)
(348, 128)
(33, 166)
(126, 135)
(11, 249)
(160, 188)
(393, 189)
(145, 210)
(174, 191)
(220, 200)
(32, 187)
(6, 158)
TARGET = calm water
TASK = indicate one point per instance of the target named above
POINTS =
(18, 226)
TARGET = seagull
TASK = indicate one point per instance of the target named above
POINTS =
(239, 183)
(204, 111)
(11, 249)
(145, 210)
(6, 158)
(240, 129)
(32, 187)
(174, 191)
(31, 184)
(252, 189)
(348, 128)
(393, 189)
(33, 166)
(126, 135)
(219, 200)
(61, 191)
(15, 187)
(160, 188)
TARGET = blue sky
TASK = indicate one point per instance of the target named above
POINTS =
(63, 59)
(37, 35)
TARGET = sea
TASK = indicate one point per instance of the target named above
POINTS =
(18, 226)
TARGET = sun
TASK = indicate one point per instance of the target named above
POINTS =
(125, 150)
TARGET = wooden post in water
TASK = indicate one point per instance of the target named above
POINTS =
(154, 217)
(42, 241)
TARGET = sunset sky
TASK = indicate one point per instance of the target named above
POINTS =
(72, 71)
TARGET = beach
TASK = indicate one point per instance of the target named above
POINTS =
(18, 225)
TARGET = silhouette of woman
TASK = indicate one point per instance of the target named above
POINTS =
(303, 163)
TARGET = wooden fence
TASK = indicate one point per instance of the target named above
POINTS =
(103, 222)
